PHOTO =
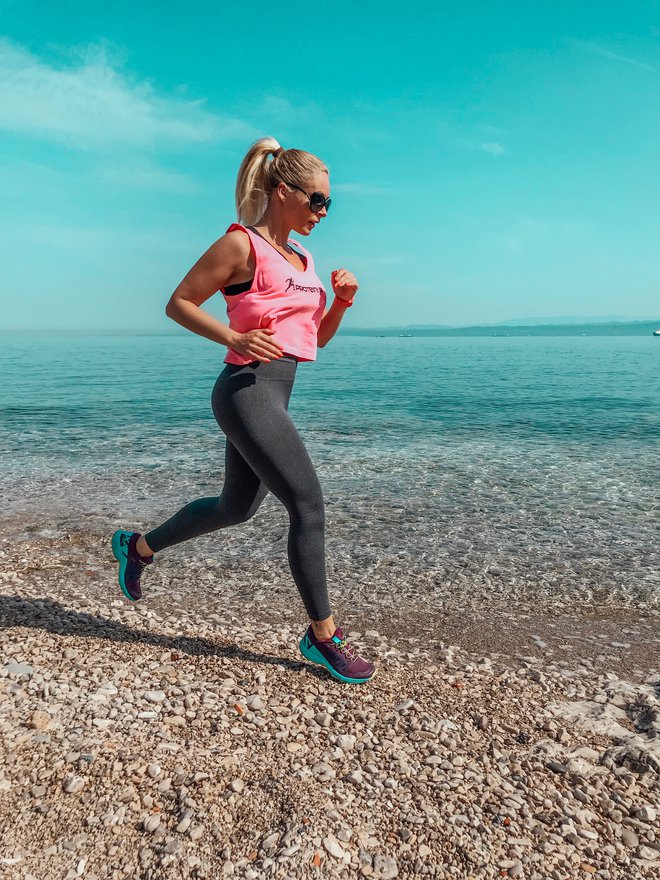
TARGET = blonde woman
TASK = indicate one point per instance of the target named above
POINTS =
(276, 309)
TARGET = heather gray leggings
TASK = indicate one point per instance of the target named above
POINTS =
(264, 453)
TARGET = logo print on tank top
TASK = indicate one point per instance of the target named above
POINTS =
(291, 285)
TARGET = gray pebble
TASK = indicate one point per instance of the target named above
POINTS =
(646, 813)
(386, 867)
(151, 822)
(19, 669)
(333, 847)
(184, 821)
(270, 843)
(629, 838)
(355, 776)
(73, 784)
(646, 852)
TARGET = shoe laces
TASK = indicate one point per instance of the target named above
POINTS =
(137, 560)
(346, 648)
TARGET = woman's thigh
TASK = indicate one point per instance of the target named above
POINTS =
(253, 414)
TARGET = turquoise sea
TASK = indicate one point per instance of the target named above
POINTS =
(536, 459)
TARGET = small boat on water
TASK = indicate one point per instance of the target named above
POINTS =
(656, 332)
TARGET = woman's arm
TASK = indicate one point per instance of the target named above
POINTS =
(227, 261)
(213, 270)
(344, 285)
(330, 323)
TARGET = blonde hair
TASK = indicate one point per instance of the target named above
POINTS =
(259, 175)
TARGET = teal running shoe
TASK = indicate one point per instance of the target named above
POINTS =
(131, 564)
(338, 656)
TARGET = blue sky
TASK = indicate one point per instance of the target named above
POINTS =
(488, 161)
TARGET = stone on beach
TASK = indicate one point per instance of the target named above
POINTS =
(154, 696)
(73, 784)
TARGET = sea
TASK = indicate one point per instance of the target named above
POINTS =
(526, 459)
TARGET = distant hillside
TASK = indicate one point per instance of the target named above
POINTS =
(572, 319)
(611, 328)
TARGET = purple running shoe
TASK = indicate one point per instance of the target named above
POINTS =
(131, 564)
(338, 656)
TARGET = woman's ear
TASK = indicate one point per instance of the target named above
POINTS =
(281, 189)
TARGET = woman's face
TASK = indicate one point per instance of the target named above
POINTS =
(301, 217)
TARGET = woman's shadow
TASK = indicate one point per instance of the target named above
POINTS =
(51, 616)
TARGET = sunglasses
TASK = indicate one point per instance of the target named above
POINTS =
(317, 201)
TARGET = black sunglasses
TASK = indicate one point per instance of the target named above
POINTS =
(317, 201)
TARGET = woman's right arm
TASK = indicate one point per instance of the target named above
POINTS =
(213, 270)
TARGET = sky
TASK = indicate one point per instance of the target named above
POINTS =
(487, 161)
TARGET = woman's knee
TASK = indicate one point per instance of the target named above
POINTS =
(309, 509)
(223, 512)
(235, 515)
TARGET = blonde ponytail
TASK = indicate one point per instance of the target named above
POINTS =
(258, 176)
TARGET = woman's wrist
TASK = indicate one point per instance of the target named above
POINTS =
(344, 303)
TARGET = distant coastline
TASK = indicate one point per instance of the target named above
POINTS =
(610, 328)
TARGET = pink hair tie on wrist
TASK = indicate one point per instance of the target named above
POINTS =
(343, 302)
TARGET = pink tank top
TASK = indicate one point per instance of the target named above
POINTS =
(287, 299)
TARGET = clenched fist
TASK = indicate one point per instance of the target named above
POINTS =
(344, 284)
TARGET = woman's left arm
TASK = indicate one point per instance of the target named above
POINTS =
(344, 285)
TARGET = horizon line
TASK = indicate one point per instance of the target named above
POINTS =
(162, 332)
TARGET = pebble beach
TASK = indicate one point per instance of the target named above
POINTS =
(185, 736)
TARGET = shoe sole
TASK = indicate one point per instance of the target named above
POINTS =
(315, 656)
(122, 559)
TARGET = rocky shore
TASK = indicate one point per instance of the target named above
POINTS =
(185, 736)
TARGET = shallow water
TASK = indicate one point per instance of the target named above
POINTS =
(510, 460)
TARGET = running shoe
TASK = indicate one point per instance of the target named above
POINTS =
(131, 564)
(337, 655)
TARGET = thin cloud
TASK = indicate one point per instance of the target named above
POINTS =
(67, 239)
(92, 104)
(281, 118)
(472, 140)
(147, 176)
(492, 147)
(614, 56)
(22, 178)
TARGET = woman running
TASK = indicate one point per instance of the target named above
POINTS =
(276, 309)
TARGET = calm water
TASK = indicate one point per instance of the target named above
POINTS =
(530, 457)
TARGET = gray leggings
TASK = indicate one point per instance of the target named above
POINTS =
(264, 452)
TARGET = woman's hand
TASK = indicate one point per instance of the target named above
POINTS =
(257, 344)
(344, 284)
